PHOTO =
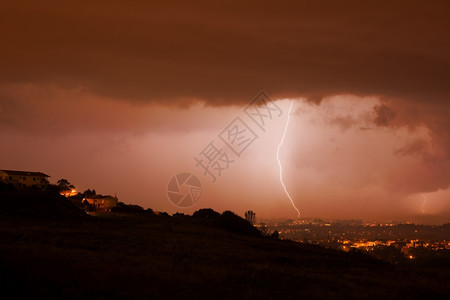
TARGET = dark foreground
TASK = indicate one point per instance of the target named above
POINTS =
(120, 256)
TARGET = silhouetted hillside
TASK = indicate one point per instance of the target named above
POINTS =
(36, 203)
(228, 221)
(149, 256)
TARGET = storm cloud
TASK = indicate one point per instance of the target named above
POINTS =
(90, 88)
(223, 53)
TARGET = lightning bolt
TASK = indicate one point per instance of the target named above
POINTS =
(423, 203)
(279, 162)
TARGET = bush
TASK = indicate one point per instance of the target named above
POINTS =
(178, 214)
(232, 222)
(275, 234)
(206, 213)
(128, 208)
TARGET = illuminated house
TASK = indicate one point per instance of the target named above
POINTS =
(24, 178)
(101, 202)
(69, 193)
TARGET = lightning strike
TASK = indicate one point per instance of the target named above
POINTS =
(422, 208)
(279, 162)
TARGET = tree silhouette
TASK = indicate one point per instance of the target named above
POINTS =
(231, 222)
(206, 213)
(275, 234)
(88, 193)
(64, 184)
(250, 216)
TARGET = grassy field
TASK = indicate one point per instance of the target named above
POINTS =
(145, 256)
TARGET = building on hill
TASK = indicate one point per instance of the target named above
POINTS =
(24, 178)
(68, 192)
(101, 202)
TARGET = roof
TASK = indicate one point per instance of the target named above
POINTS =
(25, 173)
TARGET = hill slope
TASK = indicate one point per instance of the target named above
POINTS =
(170, 257)
(35, 203)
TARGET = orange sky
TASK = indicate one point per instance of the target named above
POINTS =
(122, 97)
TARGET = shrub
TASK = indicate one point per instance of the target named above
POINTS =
(206, 213)
(232, 222)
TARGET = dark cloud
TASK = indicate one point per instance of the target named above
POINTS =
(383, 115)
(224, 53)
(417, 146)
(431, 147)
(344, 122)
